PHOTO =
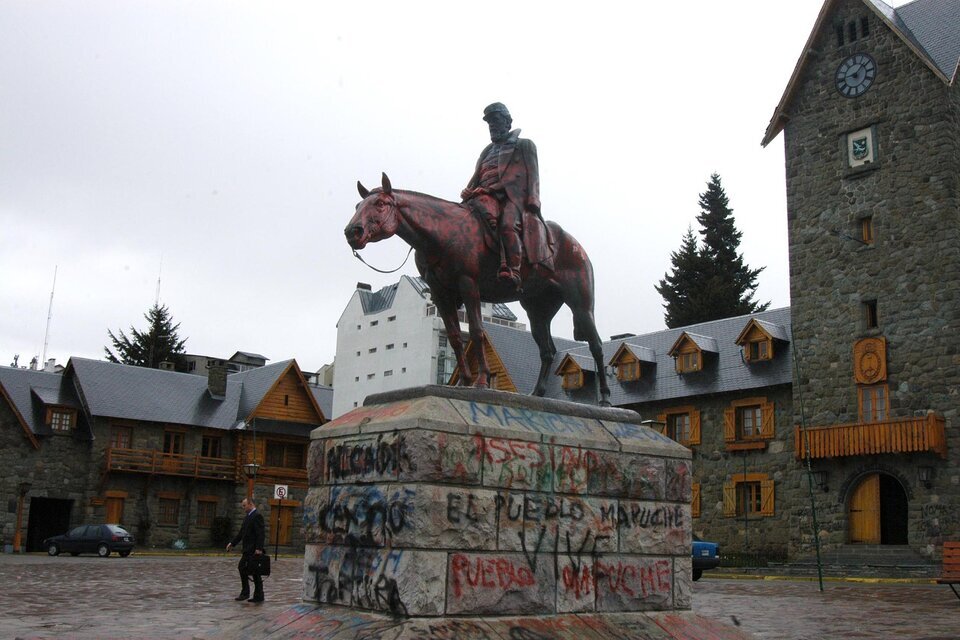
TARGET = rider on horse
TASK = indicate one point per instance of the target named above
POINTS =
(505, 191)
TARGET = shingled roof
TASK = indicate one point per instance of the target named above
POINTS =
(27, 391)
(659, 381)
(375, 302)
(930, 28)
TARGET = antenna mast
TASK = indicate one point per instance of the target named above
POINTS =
(156, 301)
(46, 334)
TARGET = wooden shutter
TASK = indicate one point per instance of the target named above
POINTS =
(730, 424)
(767, 420)
(662, 427)
(729, 499)
(695, 501)
(766, 497)
(694, 427)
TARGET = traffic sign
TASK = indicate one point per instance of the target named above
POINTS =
(280, 491)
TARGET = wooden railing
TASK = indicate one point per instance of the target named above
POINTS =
(170, 464)
(901, 435)
(282, 475)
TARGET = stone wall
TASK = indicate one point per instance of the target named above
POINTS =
(429, 506)
(912, 269)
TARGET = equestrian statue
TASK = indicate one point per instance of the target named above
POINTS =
(494, 246)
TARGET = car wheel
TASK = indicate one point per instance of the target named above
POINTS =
(697, 574)
(103, 550)
(124, 554)
(53, 550)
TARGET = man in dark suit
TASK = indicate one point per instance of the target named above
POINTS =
(251, 534)
(505, 187)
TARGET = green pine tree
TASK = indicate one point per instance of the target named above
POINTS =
(730, 283)
(709, 282)
(159, 343)
(680, 289)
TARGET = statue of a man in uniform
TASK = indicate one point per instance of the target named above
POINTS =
(505, 189)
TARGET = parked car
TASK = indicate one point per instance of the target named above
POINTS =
(101, 539)
(706, 555)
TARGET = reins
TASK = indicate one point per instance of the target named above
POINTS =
(357, 256)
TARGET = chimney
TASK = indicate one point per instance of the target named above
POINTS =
(166, 365)
(217, 378)
(363, 286)
(50, 366)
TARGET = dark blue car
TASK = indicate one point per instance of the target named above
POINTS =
(101, 539)
(706, 555)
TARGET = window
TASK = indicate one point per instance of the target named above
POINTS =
(839, 35)
(371, 376)
(869, 309)
(372, 350)
(286, 400)
(682, 424)
(628, 371)
(748, 494)
(391, 318)
(356, 378)
(864, 27)
(169, 511)
(404, 345)
(695, 501)
(388, 372)
(852, 31)
(403, 370)
(866, 230)
(572, 379)
(358, 354)
(748, 423)
(390, 347)
(443, 342)
(121, 437)
(206, 511)
(61, 419)
(374, 323)
(358, 327)
(288, 455)
(759, 350)
(210, 447)
(688, 362)
(874, 403)
(173, 442)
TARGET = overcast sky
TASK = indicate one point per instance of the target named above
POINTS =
(224, 140)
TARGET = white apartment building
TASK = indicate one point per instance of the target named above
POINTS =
(393, 338)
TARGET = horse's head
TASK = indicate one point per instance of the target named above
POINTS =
(377, 216)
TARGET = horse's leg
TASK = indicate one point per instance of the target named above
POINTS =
(540, 313)
(585, 328)
(471, 302)
(447, 309)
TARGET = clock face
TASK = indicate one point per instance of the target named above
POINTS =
(855, 75)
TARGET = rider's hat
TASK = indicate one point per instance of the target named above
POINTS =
(496, 107)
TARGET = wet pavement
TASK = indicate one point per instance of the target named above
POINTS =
(192, 597)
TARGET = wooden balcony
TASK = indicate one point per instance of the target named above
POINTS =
(900, 435)
(156, 462)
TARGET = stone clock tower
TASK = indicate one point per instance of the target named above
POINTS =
(871, 126)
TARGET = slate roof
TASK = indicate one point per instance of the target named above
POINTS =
(704, 343)
(21, 385)
(644, 354)
(930, 27)
(375, 302)
(324, 397)
(726, 372)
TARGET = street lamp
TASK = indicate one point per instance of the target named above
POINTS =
(250, 470)
(24, 489)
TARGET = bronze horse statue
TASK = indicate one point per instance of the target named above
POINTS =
(460, 267)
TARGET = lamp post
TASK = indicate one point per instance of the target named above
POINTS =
(250, 470)
(24, 489)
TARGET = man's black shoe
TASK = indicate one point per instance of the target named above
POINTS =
(256, 599)
(242, 596)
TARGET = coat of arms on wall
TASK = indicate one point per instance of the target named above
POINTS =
(870, 360)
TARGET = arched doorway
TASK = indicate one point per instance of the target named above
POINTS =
(877, 511)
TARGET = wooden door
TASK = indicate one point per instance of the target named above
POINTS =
(285, 524)
(114, 508)
(864, 513)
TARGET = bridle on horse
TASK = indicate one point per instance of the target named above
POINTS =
(358, 257)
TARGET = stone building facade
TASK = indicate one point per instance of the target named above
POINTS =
(159, 452)
(871, 125)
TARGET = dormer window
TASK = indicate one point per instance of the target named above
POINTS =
(689, 352)
(757, 340)
(61, 420)
(572, 372)
(629, 361)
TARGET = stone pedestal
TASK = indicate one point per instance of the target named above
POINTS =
(439, 501)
